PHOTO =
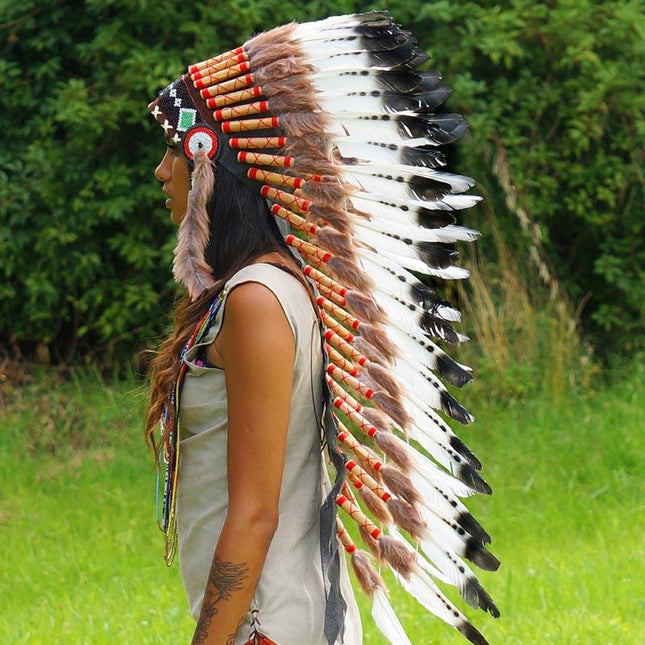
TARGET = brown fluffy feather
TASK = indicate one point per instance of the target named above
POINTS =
(284, 68)
(370, 351)
(369, 541)
(189, 266)
(376, 336)
(364, 307)
(395, 449)
(349, 273)
(387, 382)
(334, 241)
(326, 192)
(407, 517)
(335, 217)
(397, 555)
(400, 484)
(303, 124)
(268, 41)
(375, 505)
(367, 576)
(393, 408)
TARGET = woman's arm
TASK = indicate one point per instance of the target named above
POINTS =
(257, 348)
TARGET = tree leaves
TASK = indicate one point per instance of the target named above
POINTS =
(85, 245)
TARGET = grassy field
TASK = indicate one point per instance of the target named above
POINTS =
(81, 559)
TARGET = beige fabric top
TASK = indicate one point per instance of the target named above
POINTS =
(289, 597)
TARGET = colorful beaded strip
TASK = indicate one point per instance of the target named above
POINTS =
(168, 457)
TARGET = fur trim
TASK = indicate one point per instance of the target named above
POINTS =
(400, 484)
(395, 449)
(189, 266)
(268, 43)
(367, 576)
(397, 555)
(375, 505)
(407, 517)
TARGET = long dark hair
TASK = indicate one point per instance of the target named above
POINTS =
(242, 228)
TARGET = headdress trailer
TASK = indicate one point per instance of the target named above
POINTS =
(334, 124)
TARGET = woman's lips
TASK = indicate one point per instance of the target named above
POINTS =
(168, 202)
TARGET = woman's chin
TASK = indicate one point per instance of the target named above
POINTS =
(176, 217)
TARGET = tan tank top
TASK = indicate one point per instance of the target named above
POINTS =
(289, 602)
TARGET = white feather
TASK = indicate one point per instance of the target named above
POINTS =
(419, 558)
(391, 278)
(426, 592)
(386, 620)
(426, 354)
(436, 449)
(324, 62)
(392, 250)
(335, 23)
(409, 230)
(448, 203)
(439, 433)
(460, 202)
(457, 572)
(354, 101)
(427, 474)
(366, 151)
(345, 81)
(458, 183)
(376, 129)
(404, 316)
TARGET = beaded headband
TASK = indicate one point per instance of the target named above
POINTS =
(334, 124)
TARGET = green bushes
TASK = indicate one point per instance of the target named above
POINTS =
(85, 248)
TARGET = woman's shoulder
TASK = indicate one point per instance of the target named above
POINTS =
(281, 280)
(288, 290)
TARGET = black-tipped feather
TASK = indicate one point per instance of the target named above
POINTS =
(403, 82)
(422, 103)
(470, 476)
(480, 555)
(380, 31)
(423, 295)
(421, 58)
(440, 129)
(424, 188)
(380, 44)
(471, 634)
(438, 328)
(406, 155)
(470, 524)
(395, 57)
(478, 598)
(457, 444)
(433, 219)
(425, 157)
(452, 371)
(454, 409)
(435, 254)
(429, 80)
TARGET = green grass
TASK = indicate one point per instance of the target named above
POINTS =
(82, 563)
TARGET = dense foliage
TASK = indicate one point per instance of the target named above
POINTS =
(85, 249)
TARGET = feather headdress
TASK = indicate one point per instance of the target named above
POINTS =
(335, 125)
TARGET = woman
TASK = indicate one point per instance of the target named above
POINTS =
(251, 403)
(242, 386)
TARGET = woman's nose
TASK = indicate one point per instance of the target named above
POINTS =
(163, 172)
